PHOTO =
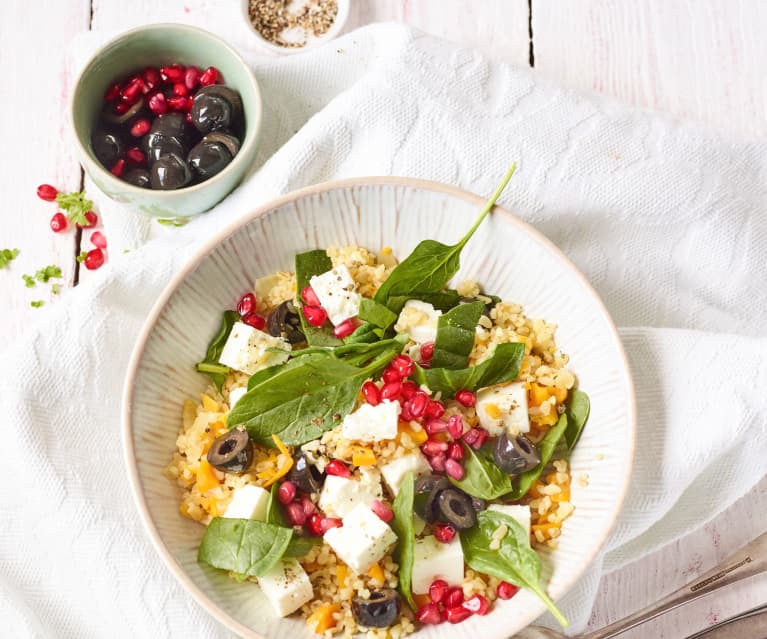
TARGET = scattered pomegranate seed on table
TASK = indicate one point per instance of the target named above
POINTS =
(505, 590)
(98, 240)
(286, 493)
(58, 222)
(315, 315)
(94, 259)
(92, 218)
(47, 192)
(371, 393)
(445, 533)
(338, 468)
(255, 320)
(247, 304)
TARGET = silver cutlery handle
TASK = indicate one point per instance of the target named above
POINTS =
(748, 561)
(751, 624)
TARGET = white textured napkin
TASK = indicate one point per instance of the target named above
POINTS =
(666, 220)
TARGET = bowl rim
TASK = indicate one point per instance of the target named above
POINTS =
(210, 244)
(120, 185)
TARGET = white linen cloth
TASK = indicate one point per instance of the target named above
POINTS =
(667, 221)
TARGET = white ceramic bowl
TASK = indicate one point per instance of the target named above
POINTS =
(507, 256)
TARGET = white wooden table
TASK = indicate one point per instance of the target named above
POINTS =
(698, 60)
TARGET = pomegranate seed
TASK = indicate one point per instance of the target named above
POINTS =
(111, 93)
(345, 328)
(453, 469)
(58, 222)
(94, 259)
(466, 398)
(326, 523)
(409, 389)
(438, 462)
(157, 104)
(471, 436)
(308, 506)
(134, 155)
(434, 447)
(192, 78)
(454, 596)
(384, 512)
(255, 320)
(286, 492)
(455, 451)
(310, 297)
(177, 103)
(132, 91)
(477, 604)
(118, 168)
(457, 614)
(98, 240)
(180, 89)
(403, 365)
(434, 426)
(405, 414)
(315, 315)
(435, 409)
(438, 590)
(92, 218)
(247, 304)
(429, 614)
(445, 533)
(482, 436)
(390, 375)
(315, 524)
(455, 426)
(427, 351)
(209, 76)
(140, 127)
(391, 390)
(418, 404)
(121, 107)
(296, 514)
(371, 393)
(189, 119)
(47, 192)
(172, 74)
(151, 77)
(505, 590)
(338, 468)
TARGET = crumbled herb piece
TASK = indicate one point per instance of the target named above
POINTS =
(29, 281)
(81, 258)
(172, 221)
(47, 273)
(56, 289)
(36, 303)
(7, 256)
(76, 206)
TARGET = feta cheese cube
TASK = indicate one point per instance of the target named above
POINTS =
(340, 496)
(287, 587)
(502, 408)
(235, 395)
(419, 320)
(435, 560)
(394, 472)
(249, 350)
(337, 292)
(362, 540)
(372, 423)
(248, 502)
(520, 513)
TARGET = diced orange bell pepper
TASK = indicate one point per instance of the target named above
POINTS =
(418, 437)
(535, 489)
(363, 456)
(206, 477)
(341, 573)
(376, 573)
(538, 394)
(209, 404)
(421, 600)
(322, 619)
(282, 469)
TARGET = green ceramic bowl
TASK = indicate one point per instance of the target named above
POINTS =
(157, 45)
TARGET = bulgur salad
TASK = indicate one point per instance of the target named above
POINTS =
(376, 449)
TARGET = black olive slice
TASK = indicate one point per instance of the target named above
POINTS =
(427, 490)
(232, 452)
(305, 475)
(138, 177)
(379, 611)
(514, 455)
(456, 508)
(208, 158)
(170, 172)
(285, 322)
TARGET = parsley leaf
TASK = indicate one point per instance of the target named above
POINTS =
(81, 258)
(47, 273)
(76, 206)
(29, 281)
(7, 256)
(36, 303)
(56, 289)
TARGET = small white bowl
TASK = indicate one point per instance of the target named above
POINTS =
(312, 41)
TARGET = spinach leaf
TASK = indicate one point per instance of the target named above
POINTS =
(515, 561)
(274, 513)
(482, 478)
(376, 314)
(308, 265)
(432, 264)
(442, 300)
(299, 547)
(455, 335)
(546, 448)
(365, 333)
(578, 408)
(402, 524)
(502, 366)
(308, 395)
(210, 365)
(246, 546)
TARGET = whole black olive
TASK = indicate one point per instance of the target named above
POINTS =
(456, 508)
(169, 134)
(514, 455)
(305, 475)
(227, 139)
(163, 145)
(208, 158)
(216, 107)
(427, 491)
(138, 177)
(232, 452)
(170, 172)
(380, 611)
(285, 322)
(172, 125)
(107, 147)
